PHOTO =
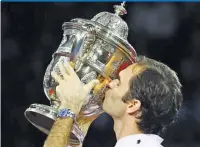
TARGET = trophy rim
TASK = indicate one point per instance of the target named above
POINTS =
(79, 137)
(32, 109)
(36, 110)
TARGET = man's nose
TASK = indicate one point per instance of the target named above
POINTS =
(113, 83)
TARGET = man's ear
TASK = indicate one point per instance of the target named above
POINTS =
(133, 106)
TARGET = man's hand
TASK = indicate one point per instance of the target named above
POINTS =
(71, 91)
(72, 94)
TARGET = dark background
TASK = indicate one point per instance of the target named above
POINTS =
(31, 32)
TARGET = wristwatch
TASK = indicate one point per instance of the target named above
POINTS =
(64, 113)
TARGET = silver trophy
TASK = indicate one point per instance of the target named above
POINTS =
(96, 49)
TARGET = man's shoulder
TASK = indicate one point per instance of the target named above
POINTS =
(140, 140)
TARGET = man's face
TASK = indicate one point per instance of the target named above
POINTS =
(113, 104)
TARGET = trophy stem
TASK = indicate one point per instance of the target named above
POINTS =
(55, 104)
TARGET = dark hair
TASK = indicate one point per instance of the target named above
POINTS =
(159, 91)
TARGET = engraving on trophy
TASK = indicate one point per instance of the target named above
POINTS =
(115, 66)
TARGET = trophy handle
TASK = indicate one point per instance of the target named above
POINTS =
(89, 39)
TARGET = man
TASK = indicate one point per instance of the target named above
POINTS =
(143, 102)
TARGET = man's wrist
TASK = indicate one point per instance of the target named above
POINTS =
(75, 109)
(64, 113)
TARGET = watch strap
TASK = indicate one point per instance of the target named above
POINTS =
(64, 113)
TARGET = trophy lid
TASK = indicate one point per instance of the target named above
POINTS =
(110, 27)
(113, 21)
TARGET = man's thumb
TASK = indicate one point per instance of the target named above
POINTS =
(91, 84)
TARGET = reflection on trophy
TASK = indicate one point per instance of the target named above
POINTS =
(96, 49)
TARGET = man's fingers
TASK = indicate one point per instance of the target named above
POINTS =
(69, 69)
(91, 84)
(62, 70)
(56, 77)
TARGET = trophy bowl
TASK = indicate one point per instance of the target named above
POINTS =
(96, 49)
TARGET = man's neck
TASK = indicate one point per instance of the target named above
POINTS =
(124, 127)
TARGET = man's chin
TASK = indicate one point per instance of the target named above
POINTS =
(105, 107)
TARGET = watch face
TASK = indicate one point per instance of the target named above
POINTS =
(66, 113)
(63, 112)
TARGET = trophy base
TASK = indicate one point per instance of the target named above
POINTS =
(43, 117)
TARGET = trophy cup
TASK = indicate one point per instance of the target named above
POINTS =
(96, 49)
